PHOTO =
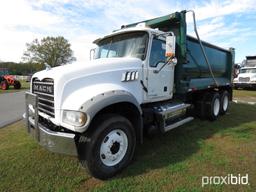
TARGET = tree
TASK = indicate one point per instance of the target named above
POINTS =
(54, 51)
(22, 68)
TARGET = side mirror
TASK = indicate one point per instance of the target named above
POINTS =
(170, 46)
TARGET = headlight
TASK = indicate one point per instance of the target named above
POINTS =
(235, 80)
(75, 118)
(253, 79)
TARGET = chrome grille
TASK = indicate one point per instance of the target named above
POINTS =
(244, 79)
(45, 91)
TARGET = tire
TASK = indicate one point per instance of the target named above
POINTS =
(200, 109)
(17, 85)
(111, 147)
(212, 106)
(4, 85)
(224, 102)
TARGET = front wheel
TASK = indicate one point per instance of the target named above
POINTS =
(17, 85)
(112, 146)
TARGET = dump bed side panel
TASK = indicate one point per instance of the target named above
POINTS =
(195, 73)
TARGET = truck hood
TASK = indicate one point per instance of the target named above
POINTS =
(94, 66)
(75, 84)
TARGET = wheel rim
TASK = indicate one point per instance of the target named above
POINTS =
(216, 107)
(113, 147)
(225, 103)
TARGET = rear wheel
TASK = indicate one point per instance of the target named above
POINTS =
(17, 85)
(111, 148)
(4, 85)
(201, 106)
(224, 102)
(213, 106)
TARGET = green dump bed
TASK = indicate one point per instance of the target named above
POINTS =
(192, 71)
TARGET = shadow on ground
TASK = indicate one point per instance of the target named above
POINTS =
(180, 143)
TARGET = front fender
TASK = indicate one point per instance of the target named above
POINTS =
(99, 102)
(93, 106)
(96, 103)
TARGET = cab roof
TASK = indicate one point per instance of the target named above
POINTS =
(130, 29)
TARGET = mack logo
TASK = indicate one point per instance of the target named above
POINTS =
(43, 88)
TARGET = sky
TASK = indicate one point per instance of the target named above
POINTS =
(226, 23)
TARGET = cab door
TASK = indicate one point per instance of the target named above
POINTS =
(159, 82)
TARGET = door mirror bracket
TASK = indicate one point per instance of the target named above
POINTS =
(172, 61)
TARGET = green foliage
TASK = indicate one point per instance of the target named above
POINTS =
(22, 68)
(54, 51)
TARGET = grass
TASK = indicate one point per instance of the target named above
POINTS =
(244, 95)
(24, 86)
(175, 161)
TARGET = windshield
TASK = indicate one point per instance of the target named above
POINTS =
(124, 45)
(248, 70)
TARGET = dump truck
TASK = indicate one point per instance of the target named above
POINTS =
(250, 61)
(247, 74)
(144, 78)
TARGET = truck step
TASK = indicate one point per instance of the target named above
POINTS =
(171, 115)
(177, 124)
(170, 108)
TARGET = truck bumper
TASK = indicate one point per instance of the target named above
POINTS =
(57, 142)
(244, 85)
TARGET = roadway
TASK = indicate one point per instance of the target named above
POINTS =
(12, 107)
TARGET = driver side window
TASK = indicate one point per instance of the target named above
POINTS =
(157, 52)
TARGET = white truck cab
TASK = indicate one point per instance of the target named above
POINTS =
(148, 45)
(246, 78)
